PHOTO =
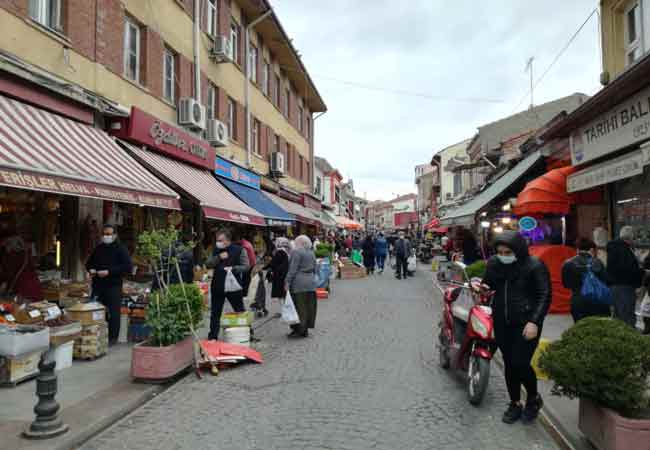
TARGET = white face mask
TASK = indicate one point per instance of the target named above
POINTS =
(221, 245)
(108, 239)
(507, 259)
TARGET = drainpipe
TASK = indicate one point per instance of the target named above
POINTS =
(247, 46)
(197, 51)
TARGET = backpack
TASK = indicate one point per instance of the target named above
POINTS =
(594, 289)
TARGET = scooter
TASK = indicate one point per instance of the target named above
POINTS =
(466, 339)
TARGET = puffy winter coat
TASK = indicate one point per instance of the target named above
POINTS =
(622, 266)
(523, 289)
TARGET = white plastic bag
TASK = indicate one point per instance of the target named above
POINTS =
(644, 309)
(232, 285)
(412, 264)
(289, 313)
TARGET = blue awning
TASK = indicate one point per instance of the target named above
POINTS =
(259, 201)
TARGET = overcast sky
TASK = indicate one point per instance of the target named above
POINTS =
(463, 60)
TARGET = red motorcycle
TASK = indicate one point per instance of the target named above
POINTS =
(466, 335)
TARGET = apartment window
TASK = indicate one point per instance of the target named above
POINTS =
(287, 96)
(232, 118)
(317, 187)
(300, 119)
(211, 102)
(169, 66)
(289, 158)
(255, 136)
(211, 22)
(633, 33)
(458, 183)
(131, 50)
(276, 143)
(234, 42)
(301, 162)
(266, 78)
(46, 12)
(252, 64)
(277, 91)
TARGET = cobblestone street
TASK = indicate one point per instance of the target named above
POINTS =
(366, 379)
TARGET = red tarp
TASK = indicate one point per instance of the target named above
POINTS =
(433, 223)
(546, 194)
(218, 348)
(554, 256)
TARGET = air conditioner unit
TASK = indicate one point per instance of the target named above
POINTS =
(277, 163)
(216, 133)
(221, 49)
(191, 114)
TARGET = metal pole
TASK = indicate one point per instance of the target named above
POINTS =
(197, 51)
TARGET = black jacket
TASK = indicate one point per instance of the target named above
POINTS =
(112, 257)
(277, 273)
(402, 248)
(368, 252)
(573, 271)
(622, 266)
(523, 289)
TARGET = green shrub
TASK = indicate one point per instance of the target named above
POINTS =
(168, 316)
(603, 360)
(324, 250)
(477, 269)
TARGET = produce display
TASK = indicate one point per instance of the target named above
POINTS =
(92, 341)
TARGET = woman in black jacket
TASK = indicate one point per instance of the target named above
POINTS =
(278, 268)
(369, 254)
(522, 288)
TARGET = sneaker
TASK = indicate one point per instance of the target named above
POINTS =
(512, 414)
(531, 411)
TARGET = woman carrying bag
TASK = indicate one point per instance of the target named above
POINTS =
(301, 283)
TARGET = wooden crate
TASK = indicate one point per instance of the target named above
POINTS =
(21, 368)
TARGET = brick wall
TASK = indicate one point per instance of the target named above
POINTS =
(153, 62)
(223, 24)
(79, 25)
(184, 77)
(17, 7)
(110, 31)
(241, 125)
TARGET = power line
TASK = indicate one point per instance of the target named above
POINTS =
(558, 56)
(410, 93)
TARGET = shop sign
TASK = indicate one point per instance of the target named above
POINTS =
(60, 185)
(617, 169)
(233, 172)
(626, 124)
(146, 129)
(527, 223)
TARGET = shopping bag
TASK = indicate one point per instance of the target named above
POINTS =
(232, 285)
(644, 309)
(289, 313)
(356, 256)
(412, 264)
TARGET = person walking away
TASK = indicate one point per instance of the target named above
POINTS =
(381, 250)
(470, 248)
(368, 249)
(107, 264)
(278, 268)
(301, 283)
(402, 249)
(522, 286)
(241, 241)
(348, 245)
(573, 274)
(226, 257)
(624, 275)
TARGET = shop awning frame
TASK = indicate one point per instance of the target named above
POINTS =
(273, 213)
(300, 213)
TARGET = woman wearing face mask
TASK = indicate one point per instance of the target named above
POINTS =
(522, 288)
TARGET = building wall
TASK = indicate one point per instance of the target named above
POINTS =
(93, 34)
(447, 178)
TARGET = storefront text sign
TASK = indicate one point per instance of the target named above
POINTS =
(233, 172)
(162, 137)
(617, 169)
(625, 125)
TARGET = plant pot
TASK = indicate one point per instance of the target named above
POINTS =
(608, 430)
(161, 363)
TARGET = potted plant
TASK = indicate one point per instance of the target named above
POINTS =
(606, 364)
(173, 314)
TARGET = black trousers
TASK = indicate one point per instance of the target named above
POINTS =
(111, 298)
(402, 266)
(236, 300)
(517, 353)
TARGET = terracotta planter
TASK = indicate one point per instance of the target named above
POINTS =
(161, 363)
(607, 430)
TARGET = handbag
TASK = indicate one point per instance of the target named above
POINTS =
(289, 313)
(231, 284)
(595, 290)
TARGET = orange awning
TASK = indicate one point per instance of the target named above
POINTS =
(546, 194)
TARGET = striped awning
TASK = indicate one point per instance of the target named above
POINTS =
(42, 151)
(216, 201)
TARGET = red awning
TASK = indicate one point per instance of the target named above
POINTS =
(45, 152)
(216, 201)
(439, 230)
(433, 223)
(546, 195)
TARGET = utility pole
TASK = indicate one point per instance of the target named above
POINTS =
(529, 68)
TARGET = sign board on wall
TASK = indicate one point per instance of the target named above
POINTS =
(617, 169)
(233, 172)
(626, 124)
(160, 136)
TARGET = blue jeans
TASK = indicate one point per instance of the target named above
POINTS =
(381, 259)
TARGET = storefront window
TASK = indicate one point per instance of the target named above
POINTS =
(632, 206)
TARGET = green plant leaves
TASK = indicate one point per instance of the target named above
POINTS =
(168, 317)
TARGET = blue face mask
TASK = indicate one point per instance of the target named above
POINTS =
(507, 259)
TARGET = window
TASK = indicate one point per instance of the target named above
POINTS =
(307, 128)
(211, 102)
(266, 78)
(211, 22)
(169, 65)
(633, 33)
(287, 96)
(318, 187)
(301, 163)
(234, 42)
(255, 137)
(277, 91)
(46, 12)
(458, 183)
(276, 143)
(300, 119)
(252, 64)
(232, 118)
(132, 50)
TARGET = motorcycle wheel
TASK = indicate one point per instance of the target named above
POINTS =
(478, 376)
(443, 352)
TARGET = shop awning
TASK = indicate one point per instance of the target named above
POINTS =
(433, 223)
(301, 213)
(348, 224)
(328, 219)
(260, 202)
(216, 201)
(41, 151)
(464, 214)
(546, 195)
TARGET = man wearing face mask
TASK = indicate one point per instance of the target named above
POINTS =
(522, 286)
(107, 264)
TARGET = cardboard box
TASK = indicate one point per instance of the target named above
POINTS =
(23, 339)
(14, 370)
